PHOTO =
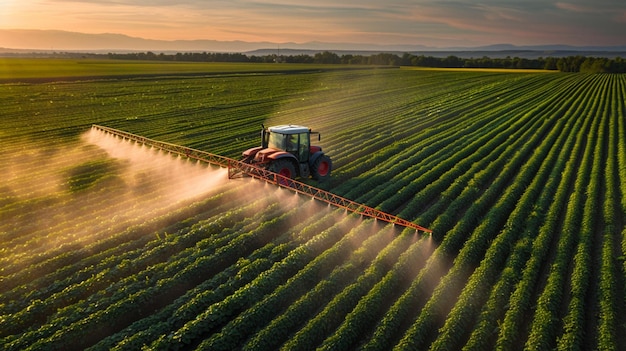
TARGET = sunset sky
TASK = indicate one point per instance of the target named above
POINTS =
(415, 22)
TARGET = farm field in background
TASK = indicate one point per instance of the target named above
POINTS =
(111, 245)
(36, 69)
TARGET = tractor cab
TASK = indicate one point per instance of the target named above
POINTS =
(287, 150)
(293, 139)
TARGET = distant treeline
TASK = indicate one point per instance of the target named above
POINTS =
(563, 64)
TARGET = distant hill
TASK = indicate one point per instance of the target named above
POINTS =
(466, 53)
(23, 40)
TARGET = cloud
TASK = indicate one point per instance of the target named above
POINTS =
(427, 22)
(598, 7)
(609, 14)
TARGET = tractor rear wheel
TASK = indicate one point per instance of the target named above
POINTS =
(284, 168)
(321, 168)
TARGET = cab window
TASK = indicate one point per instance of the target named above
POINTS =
(276, 141)
(292, 143)
(303, 151)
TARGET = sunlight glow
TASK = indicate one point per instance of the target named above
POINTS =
(436, 24)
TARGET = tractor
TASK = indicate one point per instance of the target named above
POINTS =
(287, 150)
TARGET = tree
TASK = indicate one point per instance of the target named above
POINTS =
(550, 63)
(326, 57)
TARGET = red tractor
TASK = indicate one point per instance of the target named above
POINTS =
(287, 150)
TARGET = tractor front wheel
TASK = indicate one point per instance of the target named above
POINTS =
(284, 168)
(321, 168)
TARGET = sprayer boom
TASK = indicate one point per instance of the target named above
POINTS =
(238, 169)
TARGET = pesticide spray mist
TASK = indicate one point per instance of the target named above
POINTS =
(158, 174)
(104, 185)
(68, 197)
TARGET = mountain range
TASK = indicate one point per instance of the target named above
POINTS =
(26, 40)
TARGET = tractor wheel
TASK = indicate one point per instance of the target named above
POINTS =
(284, 168)
(321, 168)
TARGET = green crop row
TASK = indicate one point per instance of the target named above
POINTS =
(75, 266)
(546, 320)
(519, 175)
(576, 318)
(483, 234)
(481, 282)
(485, 331)
(220, 314)
(609, 306)
(371, 307)
(187, 307)
(253, 319)
(277, 331)
(521, 299)
(114, 299)
(334, 313)
(81, 286)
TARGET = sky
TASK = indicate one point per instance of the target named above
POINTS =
(435, 23)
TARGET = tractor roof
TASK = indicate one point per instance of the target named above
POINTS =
(289, 129)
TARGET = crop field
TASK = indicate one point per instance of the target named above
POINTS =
(110, 245)
(37, 70)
